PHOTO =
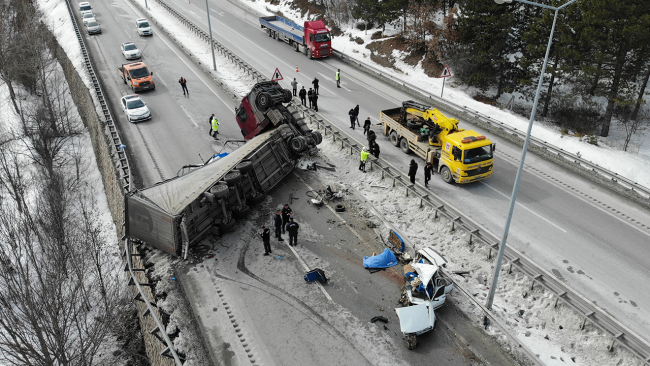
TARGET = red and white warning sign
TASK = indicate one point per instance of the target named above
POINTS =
(445, 73)
(276, 75)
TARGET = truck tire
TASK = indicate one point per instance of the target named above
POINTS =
(264, 101)
(296, 46)
(394, 139)
(309, 55)
(241, 213)
(219, 190)
(232, 178)
(297, 144)
(318, 138)
(278, 37)
(446, 175)
(270, 32)
(288, 96)
(244, 167)
(404, 145)
(256, 199)
(414, 124)
(227, 226)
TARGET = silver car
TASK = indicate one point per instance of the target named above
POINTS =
(93, 27)
(136, 109)
(130, 51)
(89, 17)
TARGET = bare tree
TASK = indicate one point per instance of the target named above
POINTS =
(632, 125)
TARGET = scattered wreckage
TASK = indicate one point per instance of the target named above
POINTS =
(175, 214)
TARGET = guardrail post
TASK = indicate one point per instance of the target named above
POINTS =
(584, 320)
(611, 346)
(471, 235)
(493, 246)
(560, 295)
(453, 223)
(393, 182)
(515, 260)
(382, 174)
(536, 277)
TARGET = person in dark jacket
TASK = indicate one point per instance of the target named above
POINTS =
(366, 125)
(292, 228)
(315, 100)
(286, 213)
(183, 83)
(266, 238)
(310, 96)
(428, 169)
(315, 82)
(352, 118)
(372, 136)
(303, 96)
(413, 169)
(356, 115)
(374, 149)
(277, 220)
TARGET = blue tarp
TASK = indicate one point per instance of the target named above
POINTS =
(384, 260)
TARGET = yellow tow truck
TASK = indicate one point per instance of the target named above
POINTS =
(461, 156)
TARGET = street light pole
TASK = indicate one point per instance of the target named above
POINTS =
(515, 189)
(214, 62)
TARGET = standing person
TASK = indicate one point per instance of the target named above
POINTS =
(210, 123)
(428, 169)
(351, 114)
(266, 239)
(366, 125)
(294, 84)
(183, 83)
(310, 96)
(315, 99)
(374, 149)
(372, 136)
(215, 127)
(338, 78)
(277, 220)
(286, 213)
(315, 82)
(364, 158)
(413, 169)
(292, 228)
(303, 96)
(356, 115)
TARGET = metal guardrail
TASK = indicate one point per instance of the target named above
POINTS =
(582, 306)
(534, 141)
(619, 333)
(123, 166)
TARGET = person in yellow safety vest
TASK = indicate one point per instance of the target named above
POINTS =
(215, 127)
(364, 157)
(338, 78)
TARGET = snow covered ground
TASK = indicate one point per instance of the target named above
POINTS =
(634, 164)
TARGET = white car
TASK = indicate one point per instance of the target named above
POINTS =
(85, 8)
(89, 17)
(93, 27)
(136, 109)
(130, 51)
(144, 29)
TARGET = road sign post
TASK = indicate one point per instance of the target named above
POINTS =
(445, 74)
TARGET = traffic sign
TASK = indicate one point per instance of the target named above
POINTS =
(446, 73)
(276, 75)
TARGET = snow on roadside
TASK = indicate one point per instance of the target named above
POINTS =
(634, 165)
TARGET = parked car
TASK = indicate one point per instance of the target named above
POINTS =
(85, 8)
(130, 51)
(88, 17)
(93, 27)
(144, 29)
(136, 109)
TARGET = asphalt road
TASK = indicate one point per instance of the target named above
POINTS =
(590, 237)
(305, 327)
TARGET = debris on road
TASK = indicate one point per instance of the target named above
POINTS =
(379, 318)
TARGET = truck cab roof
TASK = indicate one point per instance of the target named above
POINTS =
(469, 139)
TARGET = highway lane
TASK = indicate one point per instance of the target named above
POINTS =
(592, 247)
(177, 134)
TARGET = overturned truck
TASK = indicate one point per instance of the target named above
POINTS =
(175, 214)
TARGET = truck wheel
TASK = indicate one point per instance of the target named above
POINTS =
(296, 46)
(270, 32)
(404, 145)
(264, 101)
(297, 144)
(318, 138)
(309, 55)
(256, 199)
(394, 139)
(219, 190)
(288, 96)
(242, 213)
(232, 178)
(227, 226)
(244, 166)
(446, 175)
(414, 124)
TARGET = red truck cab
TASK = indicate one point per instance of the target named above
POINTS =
(318, 38)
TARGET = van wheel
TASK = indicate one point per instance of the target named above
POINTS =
(446, 175)
(394, 139)
(404, 145)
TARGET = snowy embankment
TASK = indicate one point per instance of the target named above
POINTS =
(634, 164)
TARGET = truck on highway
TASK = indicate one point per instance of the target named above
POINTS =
(460, 156)
(313, 39)
(137, 76)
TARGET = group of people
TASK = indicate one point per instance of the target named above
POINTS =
(428, 172)
(283, 222)
(312, 94)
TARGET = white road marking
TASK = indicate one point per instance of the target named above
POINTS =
(195, 14)
(188, 115)
(525, 208)
(161, 79)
